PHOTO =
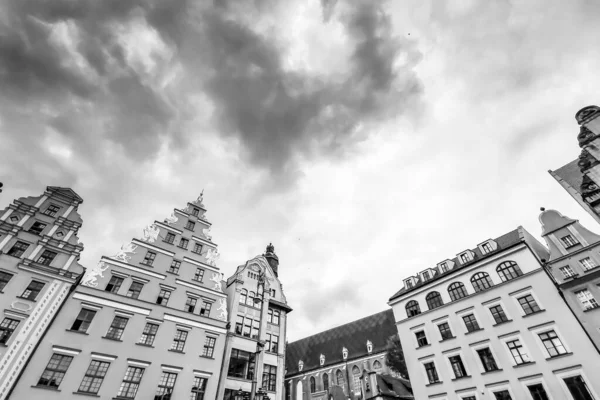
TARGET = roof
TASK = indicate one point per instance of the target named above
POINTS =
(281, 305)
(394, 388)
(66, 192)
(354, 335)
(570, 174)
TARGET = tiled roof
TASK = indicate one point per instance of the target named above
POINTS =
(377, 328)
(394, 388)
(570, 174)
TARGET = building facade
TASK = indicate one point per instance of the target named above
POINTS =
(147, 322)
(574, 264)
(254, 357)
(348, 360)
(39, 254)
(490, 324)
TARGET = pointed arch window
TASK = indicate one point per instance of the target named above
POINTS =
(412, 308)
(243, 296)
(325, 381)
(356, 377)
(434, 300)
(508, 270)
(339, 378)
(313, 384)
(457, 291)
(377, 366)
(481, 281)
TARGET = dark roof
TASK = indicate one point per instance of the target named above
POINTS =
(504, 242)
(570, 174)
(394, 388)
(281, 305)
(377, 328)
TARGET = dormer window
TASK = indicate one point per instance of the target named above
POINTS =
(444, 267)
(569, 241)
(464, 258)
(426, 276)
(408, 283)
(486, 248)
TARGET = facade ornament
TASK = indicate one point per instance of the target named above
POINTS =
(585, 136)
(125, 249)
(300, 365)
(344, 353)
(212, 255)
(369, 346)
(203, 217)
(206, 233)
(92, 274)
(200, 199)
(223, 309)
(172, 219)
(321, 360)
(585, 113)
(151, 233)
(216, 278)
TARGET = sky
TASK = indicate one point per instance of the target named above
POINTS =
(367, 140)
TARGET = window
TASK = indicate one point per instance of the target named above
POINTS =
(174, 267)
(426, 276)
(517, 351)
(272, 343)
(412, 308)
(247, 327)
(552, 343)
(198, 389)
(486, 248)
(197, 248)
(51, 210)
(55, 370)
(377, 366)
(190, 304)
(149, 258)
(114, 284)
(250, 299)
(587, 300)
(502, 395)
(356, 378)
(46, 257)
(469, 398)
(183, 243)
(241, 364)
(33, 290)
(170, 238)
(445, 331)
(209, 346)
(528, 304)
(578, 388)
(471, 323)
(567, 271)
(464, 258)
(199, 275)
(457, 366)
(431, 372)
(444, 266)
(83, 320)
(538, 392)
(205, 309)
(243, 295)
(587, 263)
(135, 289)
(165, 386)
(7, 327)
(408, 283)
(163, 297)
(313, 383)
(179, 340)
(481, 281)
(255, 328)
(340, 378)
(116, 328)
(270, 379)
(195, 211)
(190, 225)
(149, 334)
(508, 270)
(273, 316)
(498, 314)
(457, 291)
(239, 324)
(18, 249)
(325, 381)
(421, 338)
(434, 300)
(131, 382)
(487, 359)
(37, 228)
(94, 376)
(4, 279)
(569, 241)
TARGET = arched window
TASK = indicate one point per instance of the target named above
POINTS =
(434, 300)
(457, 291)
(243, 296)
(412, 308)
(250, 300)
(325, 381)
(481, 281)
(356, 377)
(299, 390)
(313, 384)
(508, 270)
(339, 378)
(377, 366)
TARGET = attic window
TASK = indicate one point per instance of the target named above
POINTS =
(465, 257)
(486, 248)
(444, 266)
(426, 276)
(408, 283)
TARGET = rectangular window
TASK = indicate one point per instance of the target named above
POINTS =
(276, 315)
(149, 334)
(502, 395)
(464, 258)
(198, 389)
(538, 392)
(444, 267)
(83, 320)
(190, 304)
(567, 271)
(209, 346)
(239, 324)
(486, 248)
(114, 284)
(135, 289)
(569, 241)
(179, 340)
(195, 211)
(18, 249)
(46, 257)
(432, 374)
(131, 382)
(165, 386)
(7, 327)
(199, 275)
(426, 276)
(269, 377)
(4, 279)
(183, 243)
(190, 225)
(241, 364)
(205, 309)
(578, 388)
(197, 248)
(170, 238)
(163, 297)
(552, 343)
(421, 338)
(408, 283)
(471, 323)
(517, 351)
(445, 331)
(33, 290)
(37, 228)
(149, 258)
(270, 315)
(94, 376)
(498, 314)
(255, 328)
(247, 327)
(55, 370)
(587, 263)
(274, 343)
(116, 328)
(51, 210)
(457, 366)
(528, 304)
(174, 267)
(487, 359)
(586, 299)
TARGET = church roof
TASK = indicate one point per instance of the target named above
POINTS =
(376, 328)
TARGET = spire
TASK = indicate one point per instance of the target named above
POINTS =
(272, 258)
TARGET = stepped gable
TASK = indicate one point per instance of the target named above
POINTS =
(377, 328)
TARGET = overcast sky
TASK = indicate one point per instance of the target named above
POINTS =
(367, 140)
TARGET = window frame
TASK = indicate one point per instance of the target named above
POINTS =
(21, 249)
(411, 304)
(197, 249)
(467, 314)
(4, 282)
(191, 301)
(205, 308)
(32, 290)
(37, 232)
(496, 304)
(8, 327)
(454, 287)
(450, 329)
(584, 267)
(208, 349)
(135, 294)
(93, 376)
(567, 268)
(129, 383)
(592, 301)
(198, 388)
(183, 243)
(170, 238)
(525, 293)
(460, 354)
(538, 380)
(119, 279)
(430, 360)
(177, 340)
(434, 298)
(163, 297)
(513, 268)
(190, 225)
(51, 210)
(83, 321)
(271, 378)
(526, 353)
(483, 346)
(149, 334)
(174, 267)
(416, 336)
(544, 329)
(55, 370)
(149, 258)
(570, 374)
(479, 280)
(565, 243)
(499, 388)
(199, 274)
(166, 384)
(116, 328)
(46, 257)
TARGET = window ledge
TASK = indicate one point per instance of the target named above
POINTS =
(492, 371)
(45, 388)
(533, 313)
(171, 243)
(462, 377)
(196, 280)
(592, 309)
(425, 345)
(176, 351)
(146, 265)
(145, 345)
(191, 230)
(434, 383)
(446, 339)
(74, 331)
(172, 273)
(237, 378)
(210, 358)
(591, 269)
(473, 331)
(503, 322)
(524, 364)
(114, 340)
(559, 356)
(86, 394)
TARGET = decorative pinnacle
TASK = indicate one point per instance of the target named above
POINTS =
(270, 248)
(542, 209)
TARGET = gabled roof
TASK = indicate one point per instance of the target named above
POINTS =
(66, 192)
(570, 174)
(394, 388)
(377, 328)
